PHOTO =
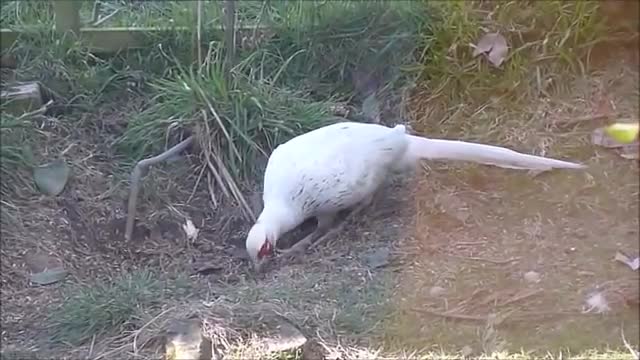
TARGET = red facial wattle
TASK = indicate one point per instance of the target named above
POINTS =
(265, 250)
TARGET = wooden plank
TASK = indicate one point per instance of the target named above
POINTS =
(67, 15)
(229, 7)
(20, 98)
(7, 38)
(104, 40)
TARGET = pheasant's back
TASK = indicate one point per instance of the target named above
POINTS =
(333, 167)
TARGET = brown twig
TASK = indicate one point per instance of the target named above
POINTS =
(136, 174)
(521, 296)
(633, 352)
(497, 262)
(452, 315)
(104, 19)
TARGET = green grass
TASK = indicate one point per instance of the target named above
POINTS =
(104, 308)
(334, 48)
(546, 38)
(237, 119)
(26, 14)
(16, 133)
(18, 137)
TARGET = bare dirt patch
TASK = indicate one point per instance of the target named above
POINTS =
(513, 258)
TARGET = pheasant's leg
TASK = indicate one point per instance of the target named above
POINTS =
(357, 210)
(324, 224)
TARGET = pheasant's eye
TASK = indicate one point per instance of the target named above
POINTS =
(265, 250)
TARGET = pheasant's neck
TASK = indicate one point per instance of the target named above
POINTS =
(278, 220)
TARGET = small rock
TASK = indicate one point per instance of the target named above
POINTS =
(378, 258)
(437, 291)
(280, 335)
(49, 276)
(184, 340)
(532, 277)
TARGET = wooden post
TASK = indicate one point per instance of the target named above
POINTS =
(230, 30)
(67, 14)
(197, 34)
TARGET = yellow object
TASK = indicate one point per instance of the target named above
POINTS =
(623, 132)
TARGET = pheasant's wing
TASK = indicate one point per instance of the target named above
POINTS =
(333, 167)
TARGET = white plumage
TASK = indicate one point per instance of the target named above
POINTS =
(339, 166)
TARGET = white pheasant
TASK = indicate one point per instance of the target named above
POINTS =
(341, 166)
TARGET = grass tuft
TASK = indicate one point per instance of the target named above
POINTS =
(15, 154)
(238, 119)
(105, 308)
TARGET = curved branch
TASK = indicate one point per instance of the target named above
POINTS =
(136, 174)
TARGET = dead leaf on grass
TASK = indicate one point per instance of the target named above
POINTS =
(634, 264)
(51, 178)
(494, 46)
(49, 276)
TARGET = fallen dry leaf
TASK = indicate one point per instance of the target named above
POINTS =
(207, 268)
(51, 178)
(597, 303)
(190, 229)
(532, 277)
(634, 264)
(437, 291)
(494, 46)
(49, 276)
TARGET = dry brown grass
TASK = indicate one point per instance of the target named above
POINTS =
(479, 230)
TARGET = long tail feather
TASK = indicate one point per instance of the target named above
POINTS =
(423, 148)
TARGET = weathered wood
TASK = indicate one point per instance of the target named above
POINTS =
(115, 39)
(7, 38)
(229, 17)
(67, 15)
(197, 34)
(20, 98)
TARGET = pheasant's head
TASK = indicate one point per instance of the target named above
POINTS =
(259, 245)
